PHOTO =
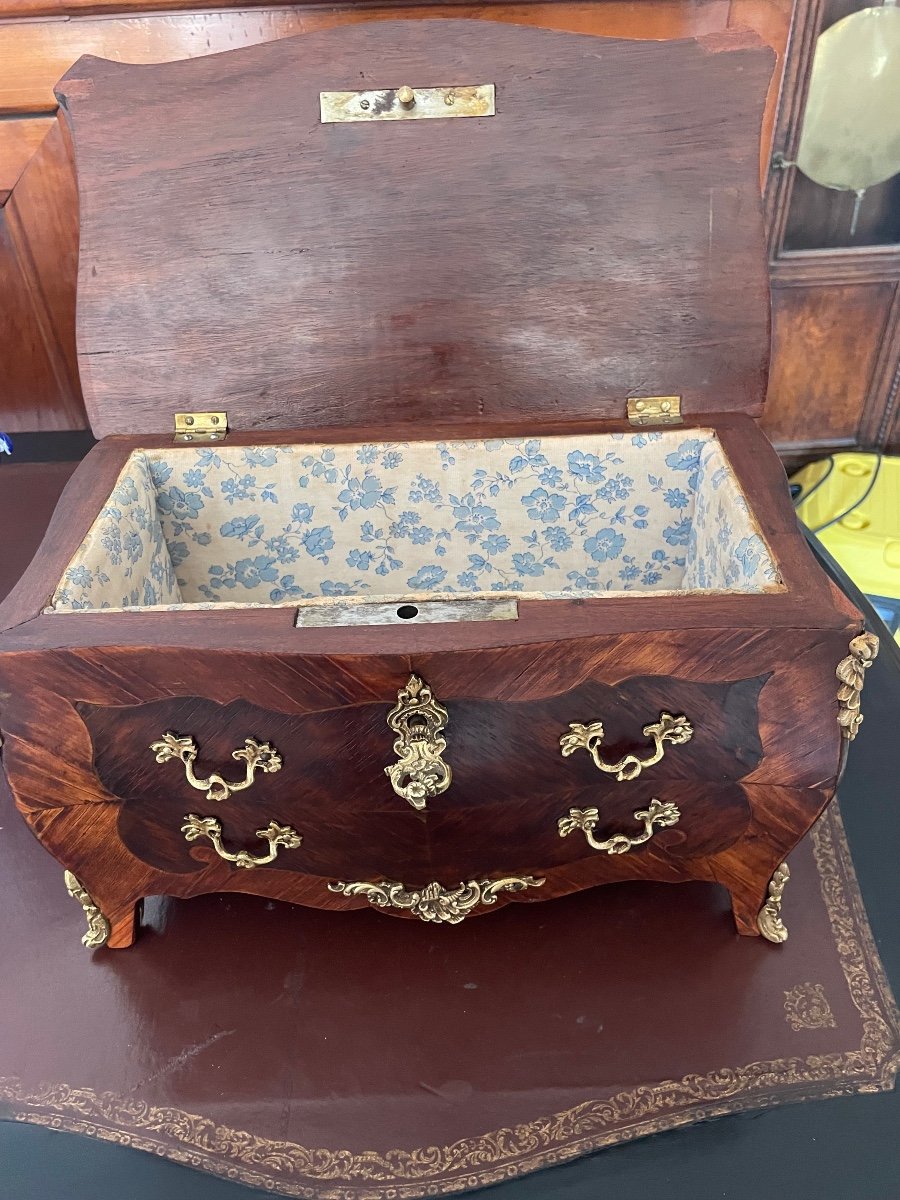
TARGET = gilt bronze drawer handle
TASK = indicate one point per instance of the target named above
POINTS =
(676, 730)
(276, 835)
(657, 816)
(258, 757)
(436, 903)
(419, 721)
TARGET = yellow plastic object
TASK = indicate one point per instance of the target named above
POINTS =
(866, 542)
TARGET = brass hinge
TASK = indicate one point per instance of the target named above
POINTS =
(201, 426)
(655, 410)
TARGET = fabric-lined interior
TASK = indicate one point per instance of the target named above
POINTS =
(549, 518)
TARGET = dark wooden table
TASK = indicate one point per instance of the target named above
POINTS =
(828, 1150)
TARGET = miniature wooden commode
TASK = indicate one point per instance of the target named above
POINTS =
(431, 556)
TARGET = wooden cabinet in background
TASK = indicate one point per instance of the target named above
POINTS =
(836, 312)
(835, 295)
(827, 344)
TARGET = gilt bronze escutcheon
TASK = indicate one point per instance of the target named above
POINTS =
(419, 722)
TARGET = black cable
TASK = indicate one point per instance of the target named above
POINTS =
(890, 649)
(856, 503)
(801, 498)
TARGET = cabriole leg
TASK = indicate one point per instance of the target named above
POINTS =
(97, 933)
(124, 924)
(757, 911)
(770, 923)
(116, 929)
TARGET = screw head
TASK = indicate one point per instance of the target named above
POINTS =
(364, 104)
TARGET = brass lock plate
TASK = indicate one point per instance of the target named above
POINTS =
(406, 103)
(314, 614)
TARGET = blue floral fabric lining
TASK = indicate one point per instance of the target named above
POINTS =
(124, 561)
(551, 517)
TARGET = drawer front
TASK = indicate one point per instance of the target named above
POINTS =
(638, 829)
(658, 730)
(200, 781)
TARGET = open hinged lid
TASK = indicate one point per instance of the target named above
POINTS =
(599, 237)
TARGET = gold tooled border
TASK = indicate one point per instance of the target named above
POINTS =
(321, 1174)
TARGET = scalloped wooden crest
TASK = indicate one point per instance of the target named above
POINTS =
(600, 237)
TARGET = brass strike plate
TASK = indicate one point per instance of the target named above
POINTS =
(408, 104)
